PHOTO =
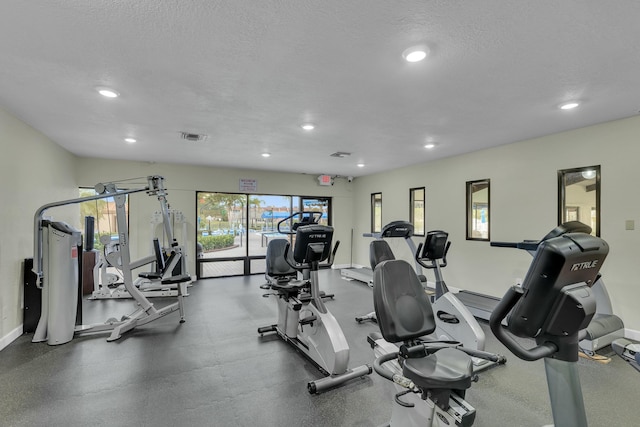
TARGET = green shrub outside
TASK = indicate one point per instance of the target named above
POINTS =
(210, 243)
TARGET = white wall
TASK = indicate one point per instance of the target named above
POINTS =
(33, 171)
(182, 182)
(523, 206)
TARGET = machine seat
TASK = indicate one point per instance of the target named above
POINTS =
(379, 251)
(278, 269)
(289, 287)
(446, 369)
(404, 315)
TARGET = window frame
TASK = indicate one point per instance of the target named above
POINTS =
(562, 195)
(374, 208)
(412, 210)
(470, 210)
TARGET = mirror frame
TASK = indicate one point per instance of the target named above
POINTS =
(413, 208)
(562, 194)
(374, 207)
(469, 205)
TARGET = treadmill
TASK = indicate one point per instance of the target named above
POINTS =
(401, 229)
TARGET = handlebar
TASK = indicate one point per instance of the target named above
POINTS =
(329, 263)
(420, 259)
(532, 245)
(501, 311)
(306, 218)
(504, 244)
(386, 373)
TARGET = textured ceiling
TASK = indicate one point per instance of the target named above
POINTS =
(247, 73)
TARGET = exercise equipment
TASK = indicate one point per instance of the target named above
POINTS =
(454, 322)
(629, 351)
(379, 251)
(303, 319)
(55, 267)
(554, 304)
(280, 271)
(395, 229)
(109, 284)
(430, 377)
(605, 327)
(169, 262)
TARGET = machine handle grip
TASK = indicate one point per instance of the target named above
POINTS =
(432, 262)
(286, 256)
(420, 260)
(501, 311)
(382, 371)
(332, 255)
(504, 244)
(313, 218)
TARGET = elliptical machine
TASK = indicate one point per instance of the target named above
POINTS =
(303, 320)
(554, 305)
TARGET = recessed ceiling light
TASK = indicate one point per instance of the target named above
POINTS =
(415, 53)
(108, 93)
(569, 105)
(429, 146)
(308, 126)
(360, 165)
(266, 155)
(130, 140)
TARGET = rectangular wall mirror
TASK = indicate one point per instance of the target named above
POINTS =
(376, 212)
(416, 210)
(579, 196)
(478, 209)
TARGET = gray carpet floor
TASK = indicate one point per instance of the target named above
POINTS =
(215, 370)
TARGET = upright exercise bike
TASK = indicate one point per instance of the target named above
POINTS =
(454, 321)
(554, 305)
(605, 327)
(303, 320)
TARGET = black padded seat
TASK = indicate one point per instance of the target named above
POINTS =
(176, 279)
(278, 269)
(447, 368)
(379, 251)
(402, 307)
(288, 287)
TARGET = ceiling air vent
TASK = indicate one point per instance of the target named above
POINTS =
(340, 154)
(193, 137)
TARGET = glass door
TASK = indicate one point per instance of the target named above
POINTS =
(233, 230)
(221, 234)
(265, 212)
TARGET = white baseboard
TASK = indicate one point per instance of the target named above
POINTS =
(10, 337)
(632, 334)
(340, 266)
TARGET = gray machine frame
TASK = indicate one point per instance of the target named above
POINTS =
(305, 322)
(145, 311)
(554, 305)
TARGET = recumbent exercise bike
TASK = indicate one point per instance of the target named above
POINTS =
(303, 319)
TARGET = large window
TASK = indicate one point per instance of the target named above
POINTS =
(579, 196)
(233, 229)
(478, 210)
(376, 212)
(416, 210)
